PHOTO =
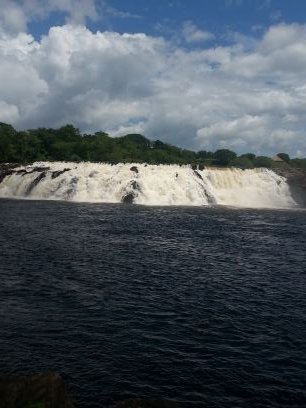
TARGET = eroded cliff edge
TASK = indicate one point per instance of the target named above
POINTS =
(296, 179)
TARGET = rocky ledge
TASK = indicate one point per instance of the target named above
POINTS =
(48, 390)
(296, 179)
(38, 391)
(6, 169)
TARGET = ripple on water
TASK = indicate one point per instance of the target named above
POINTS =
(204, 306)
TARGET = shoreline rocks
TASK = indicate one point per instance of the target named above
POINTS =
(48, 390)
(296, 179)
(45, 390)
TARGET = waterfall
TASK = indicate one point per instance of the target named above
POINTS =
(148, 185)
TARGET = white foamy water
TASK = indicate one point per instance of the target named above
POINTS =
(151, 185)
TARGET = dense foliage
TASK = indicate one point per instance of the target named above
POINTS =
(67, 144)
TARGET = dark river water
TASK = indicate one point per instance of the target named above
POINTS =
(205, 306)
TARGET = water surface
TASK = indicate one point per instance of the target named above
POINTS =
(205, 306)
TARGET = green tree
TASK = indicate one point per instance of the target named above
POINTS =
(250, 156)
(242, 162)
(8, 144)
(204, 155)
(67, 143)
(223, 157)
(263, 161)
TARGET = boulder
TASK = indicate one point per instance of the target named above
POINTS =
(6, 169)
(128, 198)
(38, 391)
(135, 185)
(134, 169)
(201, 166)
(296, 179)
(57, 173)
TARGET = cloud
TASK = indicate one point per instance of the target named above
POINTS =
(15, 15)
(246, 96)
(192, 34)
(111, 11)
(12, 17)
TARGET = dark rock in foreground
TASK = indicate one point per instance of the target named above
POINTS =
(147, 403)
(38, 391)
(48, 391)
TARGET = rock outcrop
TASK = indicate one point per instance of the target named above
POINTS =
(48, 390)
(198, 174)
(296, 179)
(38, 391)
(134, 169)
(128, 198)
(35, 182)
(6, 169)
(58, 173)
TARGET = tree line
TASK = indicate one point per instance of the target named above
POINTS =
(68, 144)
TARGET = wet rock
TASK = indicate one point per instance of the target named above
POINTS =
(72, 188)
(35, 182)
(296, 179)
(198, 174)
(40, 391)
(135, 185)
(201, 166)
(210, 199)
(57, 173)
(38, 169)
(134, 169)
(128, 198)
(6, 169)
(147, 403)
(22, 172)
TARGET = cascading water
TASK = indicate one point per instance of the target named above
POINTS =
(148, 184)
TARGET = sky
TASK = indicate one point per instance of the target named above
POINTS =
(200, 74)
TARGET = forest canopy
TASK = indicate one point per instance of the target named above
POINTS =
(68, 144)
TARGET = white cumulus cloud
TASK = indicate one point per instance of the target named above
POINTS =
(16, 14)
(249, 97)
(192, 34)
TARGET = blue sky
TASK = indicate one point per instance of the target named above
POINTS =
(165, 17)
(202, 74)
